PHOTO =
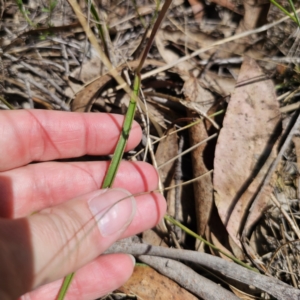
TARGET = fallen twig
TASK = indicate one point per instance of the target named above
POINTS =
(272, 286)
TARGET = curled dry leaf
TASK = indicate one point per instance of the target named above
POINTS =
(170, 56)
(296, 140)
(85, 97)
(203, 189)
(244, 146)
(166, 150)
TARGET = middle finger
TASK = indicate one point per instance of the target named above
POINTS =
(34, 187)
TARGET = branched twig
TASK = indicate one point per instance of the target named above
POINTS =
(192, 281)
(272, 286)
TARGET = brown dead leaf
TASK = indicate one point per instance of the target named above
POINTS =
(85, 97)
(198, 9)
(145, 283)
(242, 295)
(166, 150)
(203, 188)
(171, 56)
(85, 73)
(232, 5)
(244, 144)
(221, 85)
(296, 140)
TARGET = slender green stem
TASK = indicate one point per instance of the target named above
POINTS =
(284, 10)
(137, 12)
(115, 162)
(113, 167)
(6, 103)
(190, 232)
(294, 11)
(24, 12)
(116, 159)
(99, 27)
(65, 286)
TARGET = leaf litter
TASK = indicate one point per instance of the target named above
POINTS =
(244, 144)
(40, 65)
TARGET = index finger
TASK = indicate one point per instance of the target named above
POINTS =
(40, 135)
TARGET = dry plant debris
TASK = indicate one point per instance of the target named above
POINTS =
(196, 68)
(244, 144)
(203, 189)
(146, 283)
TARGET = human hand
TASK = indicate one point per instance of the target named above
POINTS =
(48, 227)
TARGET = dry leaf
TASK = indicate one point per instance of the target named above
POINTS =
(242, 295)
(221, 85)
(85, 97)
(243, 146)
(170, 56)
(203, 188)
(145, 283)
(296, 140)
(166, 150)
(198, 9)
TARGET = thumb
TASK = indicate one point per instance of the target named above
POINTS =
(66, 237)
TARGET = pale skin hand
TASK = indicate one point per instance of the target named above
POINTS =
(37, 250)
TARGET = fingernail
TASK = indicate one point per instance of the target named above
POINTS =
(113, 210)
(133, 259)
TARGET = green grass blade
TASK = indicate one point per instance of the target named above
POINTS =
(284, 10)
(65, 286)
(24, 12)
(294, 11)
(190, 232)
(99, 27)
(6, 103)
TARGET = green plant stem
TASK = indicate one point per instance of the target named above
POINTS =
(24, 12)
(113, 167)
(65, 286)
(190, 232)
(294, 11)
(284, 10)
(115, 162)
(116, 159)
(139, 15)
(6, 103)
(100, 29)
